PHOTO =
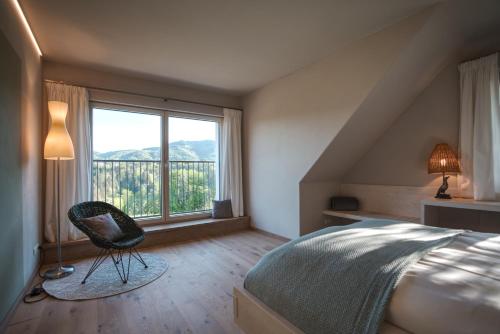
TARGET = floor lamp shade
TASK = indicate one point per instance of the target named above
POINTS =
(58, 144)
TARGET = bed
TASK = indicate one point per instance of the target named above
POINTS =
(451, 288)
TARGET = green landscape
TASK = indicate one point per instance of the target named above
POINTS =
(202, 150)
(131, 179)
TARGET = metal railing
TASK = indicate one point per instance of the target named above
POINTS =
(191, 186)
(135, 186)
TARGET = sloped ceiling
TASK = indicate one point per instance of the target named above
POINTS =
(233, 46)
(450, 26)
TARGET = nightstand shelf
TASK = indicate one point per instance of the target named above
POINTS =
(355, 216)
(461, 213)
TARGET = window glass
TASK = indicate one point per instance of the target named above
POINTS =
(126, 166)
(193, 156)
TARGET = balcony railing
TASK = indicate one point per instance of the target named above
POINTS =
(135, 186)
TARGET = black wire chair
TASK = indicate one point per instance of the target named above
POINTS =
(134, 235)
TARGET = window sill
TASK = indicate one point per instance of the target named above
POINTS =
(185, 223)
(187, 217)
(156, 235)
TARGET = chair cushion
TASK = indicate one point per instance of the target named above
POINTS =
(104, 226)
(127, 243)
(222, 209)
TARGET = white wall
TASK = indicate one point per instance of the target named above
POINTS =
(314, 199)
(79, 75)
(399, 156)
(289, 122)
(306, 131)
(392, 174)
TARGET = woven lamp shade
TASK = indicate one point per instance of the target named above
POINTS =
(443, 160)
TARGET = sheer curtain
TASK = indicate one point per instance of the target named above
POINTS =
(480, 129)
(231, 185)
(75, 175)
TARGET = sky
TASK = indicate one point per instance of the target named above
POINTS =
(118, 130)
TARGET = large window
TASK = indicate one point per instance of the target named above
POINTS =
(130, 150)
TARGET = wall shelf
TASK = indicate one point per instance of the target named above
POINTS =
(364, 215)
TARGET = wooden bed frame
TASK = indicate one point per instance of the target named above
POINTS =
(254, 317)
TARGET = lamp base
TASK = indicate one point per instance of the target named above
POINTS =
(443, 196)
(59, 272)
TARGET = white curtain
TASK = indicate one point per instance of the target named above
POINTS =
(480, 129)
(231, 185)
(75, 175)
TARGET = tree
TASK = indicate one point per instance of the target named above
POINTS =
(135, 187)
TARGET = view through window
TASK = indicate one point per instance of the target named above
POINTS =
(127, 162)
(126, 167)
(193, 151)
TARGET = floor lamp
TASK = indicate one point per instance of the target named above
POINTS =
(58, 146)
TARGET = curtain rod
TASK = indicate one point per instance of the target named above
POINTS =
(165, 99)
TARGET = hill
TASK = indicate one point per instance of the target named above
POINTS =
(201, 150)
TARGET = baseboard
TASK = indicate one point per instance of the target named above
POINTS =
(155, 236)
(276, 236)
(4, 323)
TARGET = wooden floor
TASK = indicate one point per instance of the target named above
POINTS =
(193, 296)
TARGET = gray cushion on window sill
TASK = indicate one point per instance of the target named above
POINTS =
(222, 209)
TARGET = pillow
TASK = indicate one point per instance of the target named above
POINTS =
(104, 226)
(222, 209)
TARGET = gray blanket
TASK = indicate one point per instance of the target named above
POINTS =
(339, 279)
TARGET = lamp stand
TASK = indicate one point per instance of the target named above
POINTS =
(441, 193)
(60, 271)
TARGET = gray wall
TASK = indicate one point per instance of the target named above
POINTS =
(20, 151)
(11, 237)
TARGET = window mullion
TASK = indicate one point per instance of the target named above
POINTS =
(166, 171)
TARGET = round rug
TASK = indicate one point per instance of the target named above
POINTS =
(105, 281)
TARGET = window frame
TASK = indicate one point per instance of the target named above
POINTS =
(165, 217)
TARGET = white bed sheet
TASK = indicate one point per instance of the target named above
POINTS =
(455, 289)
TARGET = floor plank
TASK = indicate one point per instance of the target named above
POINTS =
(193, 296)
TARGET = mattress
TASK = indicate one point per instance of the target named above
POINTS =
(454, 289)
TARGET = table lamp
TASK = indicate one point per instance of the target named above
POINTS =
(58, 146)
(443, 160)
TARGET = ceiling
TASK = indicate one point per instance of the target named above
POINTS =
(233, 46)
